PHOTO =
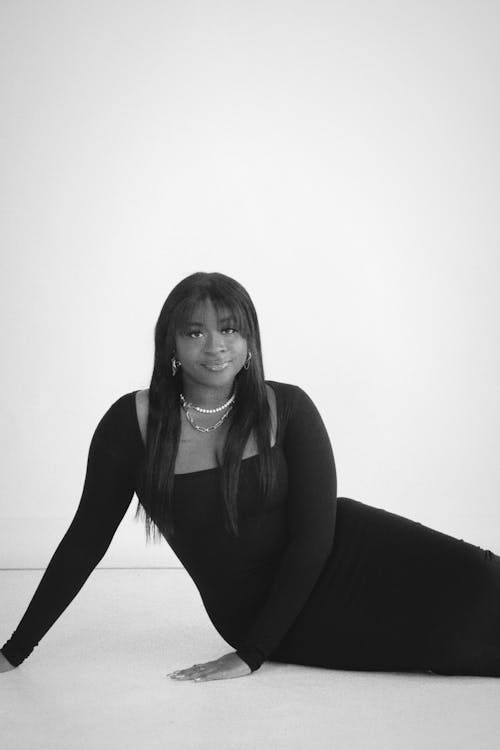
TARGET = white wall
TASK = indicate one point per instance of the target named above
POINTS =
(340, 159)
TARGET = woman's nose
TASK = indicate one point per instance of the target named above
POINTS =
(215, 342)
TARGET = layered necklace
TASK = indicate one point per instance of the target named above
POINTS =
(187, 405)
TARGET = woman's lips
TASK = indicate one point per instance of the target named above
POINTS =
(216, 368)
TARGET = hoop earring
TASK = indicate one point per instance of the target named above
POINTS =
(247, 361)
(175, 365)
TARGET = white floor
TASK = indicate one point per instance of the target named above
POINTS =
(98, 680)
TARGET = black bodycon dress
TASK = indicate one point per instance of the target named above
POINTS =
(313, 579)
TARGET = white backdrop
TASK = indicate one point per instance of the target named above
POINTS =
(339, 159)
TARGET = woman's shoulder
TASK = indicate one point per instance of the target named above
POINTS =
(287, 391)
(281, 385)
(292, 399)
(118, 410)
(115, 427)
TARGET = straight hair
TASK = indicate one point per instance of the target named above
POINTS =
(251, 411)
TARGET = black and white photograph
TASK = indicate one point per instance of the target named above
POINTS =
(250, 290)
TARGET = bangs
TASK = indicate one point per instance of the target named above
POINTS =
(224, 307)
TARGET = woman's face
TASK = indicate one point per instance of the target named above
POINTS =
(208, 341)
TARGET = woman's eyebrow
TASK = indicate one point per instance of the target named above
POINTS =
(223, 320)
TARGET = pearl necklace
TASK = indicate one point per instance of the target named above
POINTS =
(186, 405)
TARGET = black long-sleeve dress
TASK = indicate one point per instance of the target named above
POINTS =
(313, 579)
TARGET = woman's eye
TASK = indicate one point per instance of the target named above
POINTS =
(197, 331)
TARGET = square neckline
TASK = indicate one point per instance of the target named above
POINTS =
(211, 468)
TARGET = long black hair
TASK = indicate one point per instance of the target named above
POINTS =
(250, 412)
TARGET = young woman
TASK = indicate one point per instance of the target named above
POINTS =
(237, 473)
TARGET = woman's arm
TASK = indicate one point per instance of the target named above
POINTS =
(107, 493)
(311, 512)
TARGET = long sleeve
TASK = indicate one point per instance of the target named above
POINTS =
(107, 492)
(311, 514)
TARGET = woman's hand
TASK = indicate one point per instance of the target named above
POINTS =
(5, 664)
(227, 666)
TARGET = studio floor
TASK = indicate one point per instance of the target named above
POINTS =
(98, 681)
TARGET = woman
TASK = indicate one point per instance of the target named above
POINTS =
(238, 474)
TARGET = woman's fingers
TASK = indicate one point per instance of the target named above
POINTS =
(197, 670)
(228, 665)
